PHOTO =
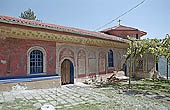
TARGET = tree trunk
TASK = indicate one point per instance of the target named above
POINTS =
(130, 73)
(167, 68)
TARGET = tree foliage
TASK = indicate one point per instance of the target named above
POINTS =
(28, 14)
(158, 47)
(166, 47)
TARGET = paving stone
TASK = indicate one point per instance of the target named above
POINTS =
(54, 103)
(53, 96)
(43, 95)
(72, 97)
(35, 95)
(45, 90)
(58, 107)
(63, 97)
(70, 101)
(84, 98)
(86, 95)
(8, 99)
(48, 98)
(42, 101)
(78, 100)
(59, 99)
(83, 102)
(167, 98)
(75, 103)
(1, 101)
(6, 93)
(63, 102)
(76, 95)
(1, 97)
(37, 105)
(33, 101)
(67, 105)
(38, 98)
(29, 97)
(92, 101)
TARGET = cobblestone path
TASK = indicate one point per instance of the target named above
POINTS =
(65, 96)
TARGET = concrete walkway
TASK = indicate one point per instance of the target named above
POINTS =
(65, 96)
(81, 95)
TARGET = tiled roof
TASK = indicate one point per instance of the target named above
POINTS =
(38, 24)
(123, 28)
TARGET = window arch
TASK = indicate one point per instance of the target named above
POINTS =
(36, 61)
(110, 59)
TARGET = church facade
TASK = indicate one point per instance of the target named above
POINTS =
(32, 48)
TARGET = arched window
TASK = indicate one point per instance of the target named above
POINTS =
(110, 58)
(36, 62)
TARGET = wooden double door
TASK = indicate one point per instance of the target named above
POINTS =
(67, 72)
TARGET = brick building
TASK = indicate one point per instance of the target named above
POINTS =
(32, 48)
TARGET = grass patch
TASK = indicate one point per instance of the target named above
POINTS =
(153, 85)
(145, 85)
(86, 106)
(17, 104)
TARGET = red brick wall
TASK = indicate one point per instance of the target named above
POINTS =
(13, 56)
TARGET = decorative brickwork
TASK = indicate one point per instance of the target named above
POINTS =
(81, 63)
(102, 63)
(39, 35)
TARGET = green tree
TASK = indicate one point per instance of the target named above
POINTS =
(28, 14)
(140, 48)
(158, 47)
(166, 51)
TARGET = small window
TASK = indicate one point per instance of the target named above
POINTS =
(36, 62)
(137, 37)
(140, 64)
(110, 58)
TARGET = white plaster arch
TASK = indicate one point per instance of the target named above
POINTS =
(100, 51)
(65, 46)
(59, 62)
(44, 58)
(85, 50)
(105, 58)
(85, 63)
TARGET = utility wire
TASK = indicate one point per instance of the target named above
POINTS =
(121, 15)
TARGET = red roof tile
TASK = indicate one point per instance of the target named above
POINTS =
(123, 28)
(38, 24)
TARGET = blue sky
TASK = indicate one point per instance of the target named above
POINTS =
(153, 16)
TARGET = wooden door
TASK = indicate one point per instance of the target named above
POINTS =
(65, 72)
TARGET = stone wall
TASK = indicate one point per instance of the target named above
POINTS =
(42, 84)
(146, 67)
